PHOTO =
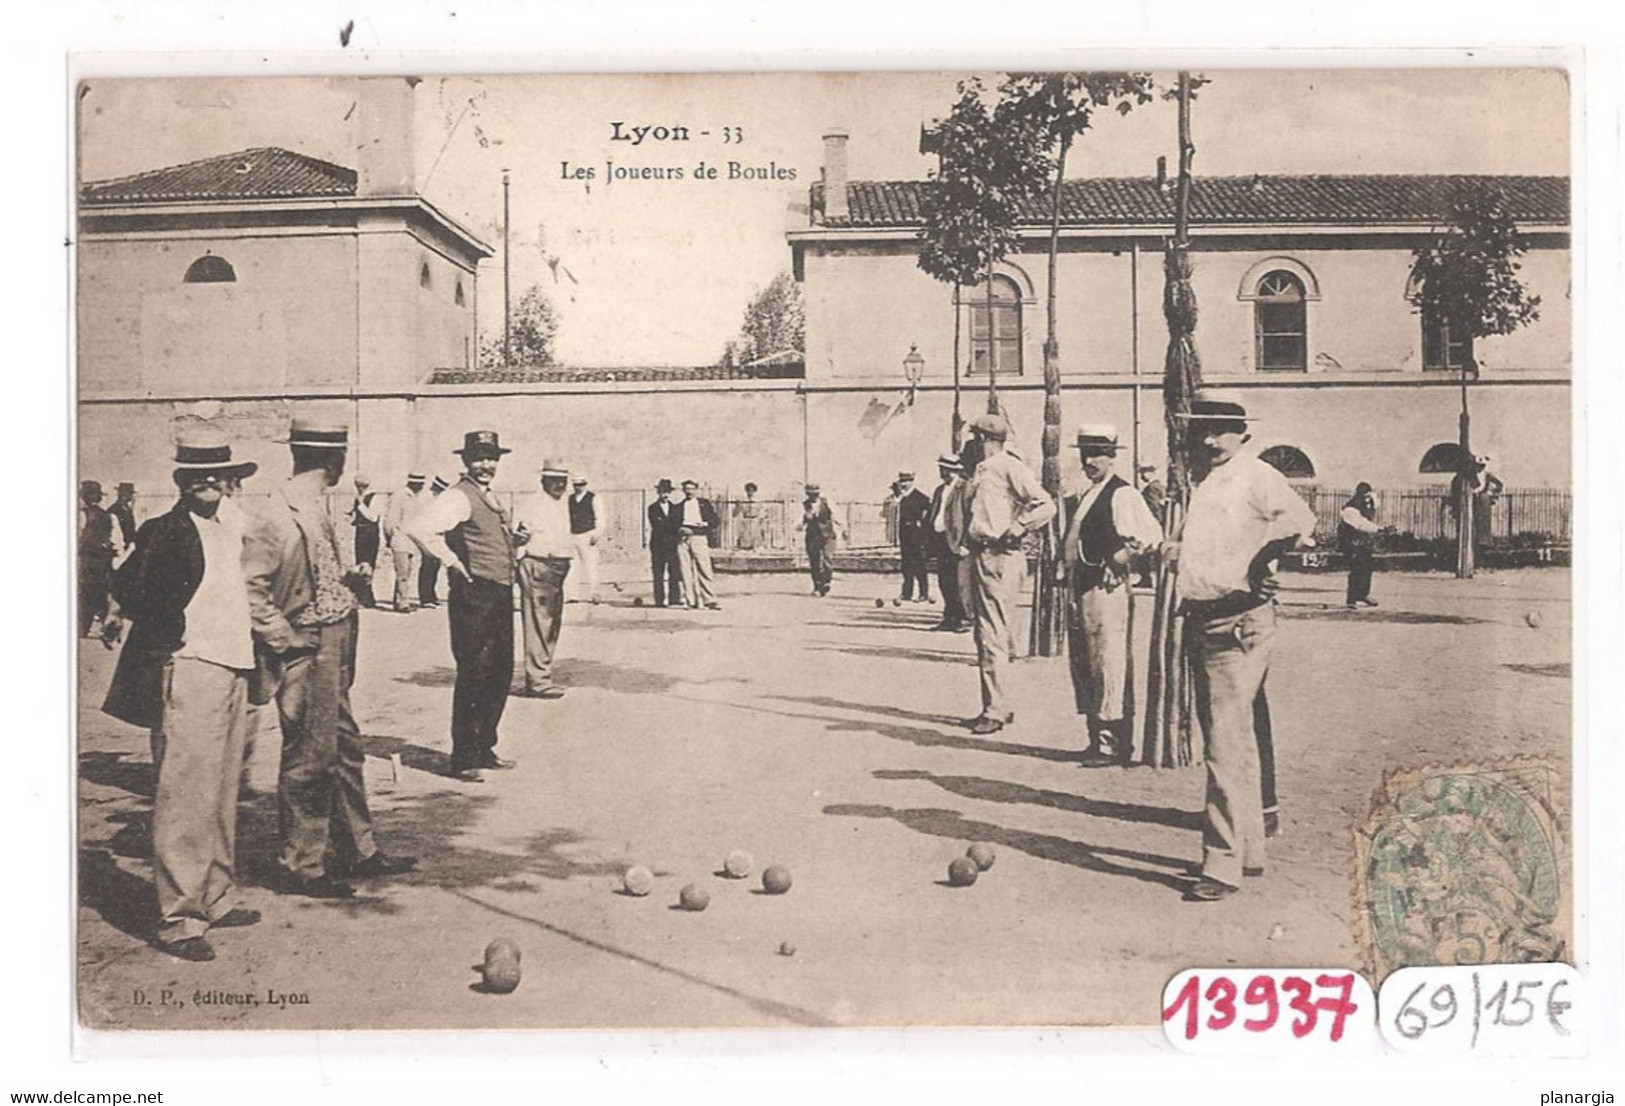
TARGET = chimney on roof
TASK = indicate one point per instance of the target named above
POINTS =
(835, 173)
(1162, 174)
(1258, 184)
(384, 122)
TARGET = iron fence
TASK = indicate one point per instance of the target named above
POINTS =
(1429, 513)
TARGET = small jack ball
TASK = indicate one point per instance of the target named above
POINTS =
(962, 872)
(776, 879)
(694, 897)
(638, 880)
(981, 854)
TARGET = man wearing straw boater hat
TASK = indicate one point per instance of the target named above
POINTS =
(546, 552)
(184, 675)
(1108, 525)
(1243, 515)
(938, 523)
(302, 595)
(1006, 502)
(469, 530)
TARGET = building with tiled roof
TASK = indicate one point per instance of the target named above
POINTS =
(1302, 284)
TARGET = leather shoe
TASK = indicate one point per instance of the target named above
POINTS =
(235, 918)
(195, 949)
(986, 725)
(545, 693)
(496, 762)
(1272, 824)
(382, 864)
(314, 887)
(1209, 890)
(467, 775)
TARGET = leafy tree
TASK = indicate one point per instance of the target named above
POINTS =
(531, 333)
(775, 322)
(1061, 107)
(1467, 279)
(991, 163)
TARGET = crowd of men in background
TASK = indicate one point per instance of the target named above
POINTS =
(228, 606)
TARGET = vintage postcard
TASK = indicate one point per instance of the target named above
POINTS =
(815, 549)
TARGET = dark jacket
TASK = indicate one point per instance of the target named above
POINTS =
(708, 519)
(153, 588)
(96, 535)
(663, 528)
(819, 522)
(914, 520)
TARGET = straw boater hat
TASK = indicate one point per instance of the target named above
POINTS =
(813, 489)
(1098, 438)
(415, 478)
(205, 449)
(905, 477)
(949, 461)
(318, 432)
(439, 484)
(578, 480)
(482, 441)
(1211, 405)
(554, 467)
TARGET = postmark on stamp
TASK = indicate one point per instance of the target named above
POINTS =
(1462, 865)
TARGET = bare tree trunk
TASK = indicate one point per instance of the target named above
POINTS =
(992, 350)
(1465, 505)
(956, 427)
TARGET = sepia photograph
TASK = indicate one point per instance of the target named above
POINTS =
(816, 549)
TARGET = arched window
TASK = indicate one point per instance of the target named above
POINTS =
(995, 327)
(424, 277)
(457, 296)
(1280, 326)
(1442, 458)
(1290, 461)
(210, 269)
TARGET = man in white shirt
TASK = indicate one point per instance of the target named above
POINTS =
(1109, 526)
(545, 547)
(1006, 503)
(184, 675)
(1243, 515)
(697, 523)
(403, 505)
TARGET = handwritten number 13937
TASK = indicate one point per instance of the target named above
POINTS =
(1264, 999)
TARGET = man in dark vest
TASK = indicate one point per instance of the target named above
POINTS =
(819, 524)
(665, 528)
(471, 534)
(123, 512)
(1107, 525)
(914, 537)
(95, 556)
(938, 524)
(584, 532)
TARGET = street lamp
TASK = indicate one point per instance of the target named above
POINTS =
(913, 368)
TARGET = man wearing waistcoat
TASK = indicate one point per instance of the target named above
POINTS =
(469, 530)
(1108, 524)
(584, 533)
(183, 674)
(304, 608)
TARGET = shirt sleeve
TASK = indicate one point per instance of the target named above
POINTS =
(428, 526)
(1037, 507)
(1352, 517)
(1134, 519)
(1282, 507)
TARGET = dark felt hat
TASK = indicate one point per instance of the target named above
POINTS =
(482, 441)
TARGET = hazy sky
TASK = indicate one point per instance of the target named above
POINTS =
(664, 269)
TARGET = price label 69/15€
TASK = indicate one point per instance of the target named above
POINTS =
(1487, 1010)
(1269, 1011)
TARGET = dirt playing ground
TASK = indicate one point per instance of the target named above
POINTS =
(823, 735)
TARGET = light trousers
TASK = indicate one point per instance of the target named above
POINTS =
(198, 751)
(406, 578)
(996, 586)
(694, 556)
(541, 589)
(1230, 657)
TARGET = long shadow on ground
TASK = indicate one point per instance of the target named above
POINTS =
(109, 769)
(1341, 613)
(1001, 791)
(891, 652)
(951, 824)
(571, 672)
(914, 735)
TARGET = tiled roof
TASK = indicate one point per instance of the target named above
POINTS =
(557, 374)
(1216, 201)
(263, 173)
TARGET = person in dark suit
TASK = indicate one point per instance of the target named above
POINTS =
(183, 675)
(123, 512)
(938, 526)
(95, 556)
(914, 537)
(819, 524)
(364, 518)
(665, 527)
